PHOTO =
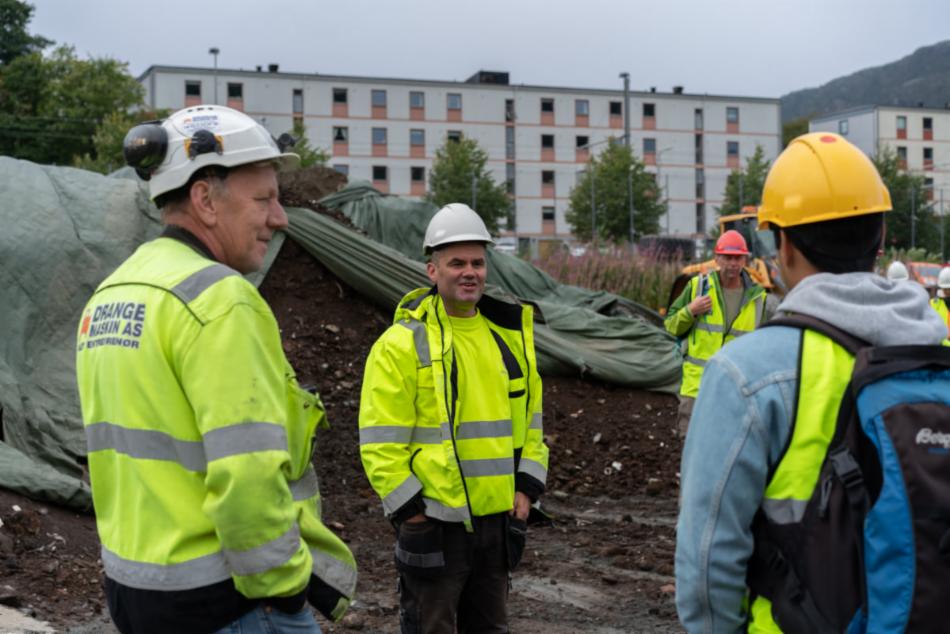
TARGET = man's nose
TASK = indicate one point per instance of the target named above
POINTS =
(277, 218)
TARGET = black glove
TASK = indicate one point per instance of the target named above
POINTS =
(327, 600)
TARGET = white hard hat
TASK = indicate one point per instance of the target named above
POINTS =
(943, 280)
(166, 153)
(456, 222)
(897, 271)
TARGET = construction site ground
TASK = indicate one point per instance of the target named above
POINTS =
(604, 566)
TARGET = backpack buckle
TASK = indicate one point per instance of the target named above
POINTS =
(849, 473)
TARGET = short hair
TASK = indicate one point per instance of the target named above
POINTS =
(845, 245)
(170, 201)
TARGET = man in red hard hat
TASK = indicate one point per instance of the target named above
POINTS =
(716, 307)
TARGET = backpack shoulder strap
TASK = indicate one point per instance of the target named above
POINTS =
(873, 364)
(847, 341)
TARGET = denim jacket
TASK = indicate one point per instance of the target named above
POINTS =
(741, 424)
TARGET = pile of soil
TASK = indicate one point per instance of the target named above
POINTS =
(604, 564)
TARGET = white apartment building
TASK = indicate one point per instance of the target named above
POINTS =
(919, 136)
(537, 138)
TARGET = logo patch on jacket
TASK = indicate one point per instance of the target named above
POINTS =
(112, 324)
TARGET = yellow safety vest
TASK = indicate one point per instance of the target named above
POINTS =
(708, 333)
(940, 305)
(199, 436)
(411, 438)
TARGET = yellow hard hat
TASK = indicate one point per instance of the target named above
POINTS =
(819, 177)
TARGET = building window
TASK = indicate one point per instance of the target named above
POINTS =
(339, 95)
(379, 98)
(699, 149)
(928, 123)
(649, 110)
(581, 142)
(380, 173)
(732, 149)
(454, 135)
(700, 218)
(547, 105)
(649, 146)
(700, 184)
(298, 101)
(417, 174)
(616, 109)
(547, 214)
(901, 127)
(340, 134)
(929, 188)
(235, 91)
(509, 142)
(417, 137)
(379, 136)
(417, 99)
(192, 88)
(843, 127)
(698, 119)
(732, 115)
(902, 152)
(510, 177)
(547, 141)
(342, 169)
(509, 109)
(453, 101)
(547, 177)
(581, 107)
(928, 158)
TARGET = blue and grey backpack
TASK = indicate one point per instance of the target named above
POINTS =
(871, 553)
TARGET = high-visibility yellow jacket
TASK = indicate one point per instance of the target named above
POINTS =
(940, 305)
(199, 436)
(412, 442)
(707, 333)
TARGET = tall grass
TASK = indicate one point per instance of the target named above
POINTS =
(644, 277)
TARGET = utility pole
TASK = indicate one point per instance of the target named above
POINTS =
(626, 108)
(214, 50)
(943, 254)
(630, 202)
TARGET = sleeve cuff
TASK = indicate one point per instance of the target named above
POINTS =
(529, 485)
(413, 507)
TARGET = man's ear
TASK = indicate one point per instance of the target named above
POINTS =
(203, 202)
(786, 252)
(430, 271)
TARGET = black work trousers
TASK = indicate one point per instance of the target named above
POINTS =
(469, 592)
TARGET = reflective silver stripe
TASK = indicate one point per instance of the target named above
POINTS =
(536, 422)
(195, 573)
(735, 332)
(335, 573)
(534, 469)
(420, 560)
(487, 467)
(708, 327)
(306, 486)
(386, 434)
(439, 511)
(401, 494)
(700, 362)
(195, 284)
(244, 438)
(483, 429)
(758, 309)
(787, 511)
(262, 558)
(146, 444)
(428, 435)
(421, 340)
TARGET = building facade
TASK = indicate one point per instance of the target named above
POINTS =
(538, 138)
(919, 136)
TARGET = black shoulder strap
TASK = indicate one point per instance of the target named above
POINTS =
(847, 341)
(511, 364)
(873, 364)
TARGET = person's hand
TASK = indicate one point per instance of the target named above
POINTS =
(415, 519)
(700, 305)
(522, 506)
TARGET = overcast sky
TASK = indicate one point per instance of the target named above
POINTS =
(735, 47)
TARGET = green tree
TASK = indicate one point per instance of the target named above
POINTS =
(793, 129)
(309, 155)
(609, 174)
(456, 166)
(907, 194)
(51, 107)
(744, 187)
(15, 41)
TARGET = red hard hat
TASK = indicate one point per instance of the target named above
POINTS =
(731, 243)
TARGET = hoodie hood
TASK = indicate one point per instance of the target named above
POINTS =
(880, 311)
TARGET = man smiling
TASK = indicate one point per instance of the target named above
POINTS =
(451, 436)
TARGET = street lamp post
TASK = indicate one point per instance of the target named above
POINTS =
(626, 108)
(630, 204)
(667, 188)
(214, 50)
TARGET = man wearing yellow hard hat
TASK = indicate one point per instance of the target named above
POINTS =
(759, 430)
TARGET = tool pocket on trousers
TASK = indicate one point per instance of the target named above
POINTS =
(516, 535)
(419, 548)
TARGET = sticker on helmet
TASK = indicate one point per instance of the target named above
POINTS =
(200, 122)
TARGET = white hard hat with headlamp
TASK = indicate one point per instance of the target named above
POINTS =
(943, 282)
(167, 153)
(897, 272)
(456, 222)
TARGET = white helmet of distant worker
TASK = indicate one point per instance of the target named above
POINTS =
(943, 282)
(897, 272)
(167, 153)
(456, 222)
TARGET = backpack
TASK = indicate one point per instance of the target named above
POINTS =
(872, 551)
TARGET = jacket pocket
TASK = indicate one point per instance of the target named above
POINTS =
(419, 548)
(516, 536)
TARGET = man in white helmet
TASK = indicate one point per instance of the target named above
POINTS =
(451, 436)
(941, 303)
(199, 436)
(897, 272)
